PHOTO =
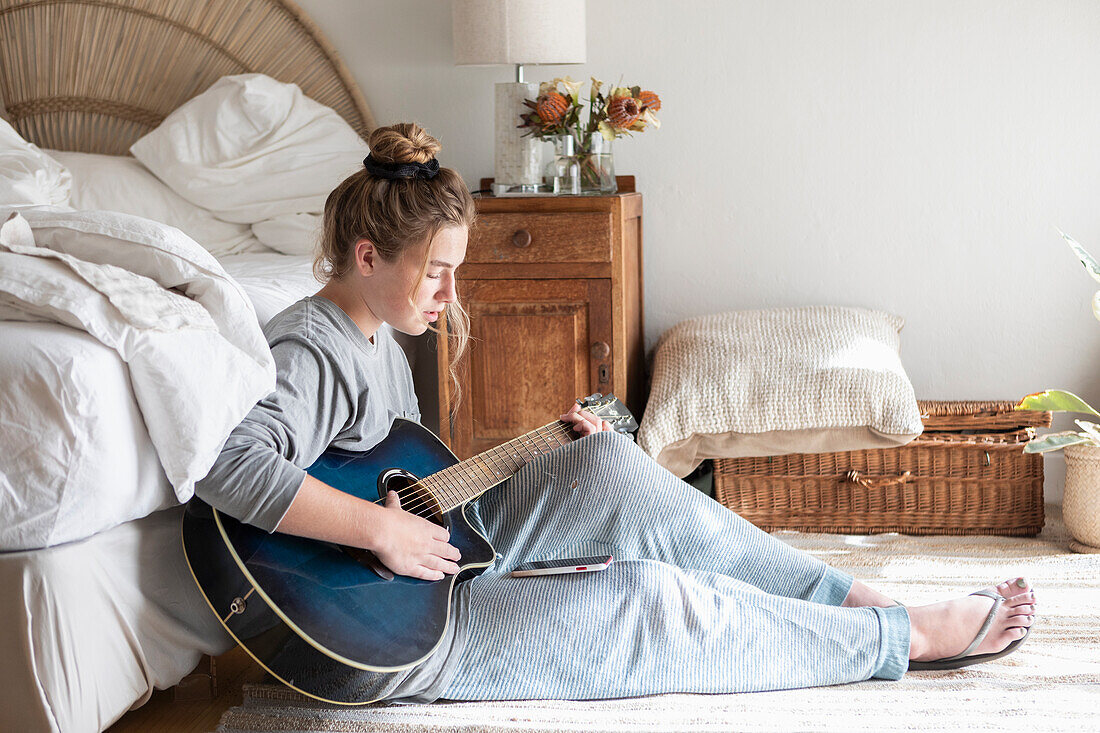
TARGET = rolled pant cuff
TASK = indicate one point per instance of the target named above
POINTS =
(894, 658)
(833, 587)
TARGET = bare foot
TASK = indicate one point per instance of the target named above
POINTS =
(941, 630)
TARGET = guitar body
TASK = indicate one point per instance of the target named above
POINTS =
(317, 615)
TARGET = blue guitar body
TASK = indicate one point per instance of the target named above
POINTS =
(317, 615)
(321, 617)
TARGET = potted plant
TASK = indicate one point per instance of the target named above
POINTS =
(556, 115)
(1081, 501)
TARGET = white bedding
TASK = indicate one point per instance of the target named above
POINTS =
(272, 281)
(102, 418)
(67, 267)
(122, 183)
(73, 439)
(92, 627)
(79, 438)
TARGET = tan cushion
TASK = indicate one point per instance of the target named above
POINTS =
(769, 382)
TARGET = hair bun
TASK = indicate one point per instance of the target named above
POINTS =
(405, 142)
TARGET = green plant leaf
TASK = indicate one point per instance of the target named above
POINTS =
(1055, 441)
(1086, 259)
(1056, 400)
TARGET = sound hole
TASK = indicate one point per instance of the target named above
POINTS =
(415, 499)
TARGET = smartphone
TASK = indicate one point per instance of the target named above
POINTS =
(568, 565)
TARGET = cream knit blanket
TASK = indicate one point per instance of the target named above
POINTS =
(768, 382)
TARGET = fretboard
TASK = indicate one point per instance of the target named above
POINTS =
(457, 484)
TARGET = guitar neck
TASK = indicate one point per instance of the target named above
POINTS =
(457, 484)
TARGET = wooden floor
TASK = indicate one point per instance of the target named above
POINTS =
(163, 714)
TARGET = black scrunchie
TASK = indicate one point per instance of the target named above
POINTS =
(395, 171)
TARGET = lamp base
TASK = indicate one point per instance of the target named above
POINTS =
(518, 159)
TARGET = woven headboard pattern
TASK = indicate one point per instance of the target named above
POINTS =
(95, 75)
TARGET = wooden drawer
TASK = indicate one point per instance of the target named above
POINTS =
(540, 238)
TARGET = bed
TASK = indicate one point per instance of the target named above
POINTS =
(98, 603)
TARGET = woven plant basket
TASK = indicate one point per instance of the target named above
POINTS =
(1081, 502)
(966, 474)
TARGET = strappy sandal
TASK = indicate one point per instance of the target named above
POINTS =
(965, 658)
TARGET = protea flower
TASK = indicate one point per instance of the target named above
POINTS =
(650, 101)
(622, 112)
(551, 108)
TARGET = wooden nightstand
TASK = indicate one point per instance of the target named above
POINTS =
(553, 286)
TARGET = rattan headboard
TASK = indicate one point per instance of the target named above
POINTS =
(95, 75)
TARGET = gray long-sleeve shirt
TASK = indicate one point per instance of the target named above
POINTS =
(333, 387)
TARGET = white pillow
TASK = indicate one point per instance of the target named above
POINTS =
(291, 234)
(817, 379)
(251, 148)
(29, 177)
(121, 183)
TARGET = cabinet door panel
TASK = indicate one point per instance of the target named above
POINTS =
(530, 355)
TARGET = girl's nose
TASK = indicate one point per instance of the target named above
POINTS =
(447, 290)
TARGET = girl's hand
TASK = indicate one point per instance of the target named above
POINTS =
(411, 545)
(584, 422)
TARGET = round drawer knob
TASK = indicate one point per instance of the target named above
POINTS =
(522, 238)
(600, 350)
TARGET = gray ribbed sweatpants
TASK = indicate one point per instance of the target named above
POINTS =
(696, 600)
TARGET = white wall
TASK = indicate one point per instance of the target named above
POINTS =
(911, 156)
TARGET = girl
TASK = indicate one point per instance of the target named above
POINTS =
(697, 600)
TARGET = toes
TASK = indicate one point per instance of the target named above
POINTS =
(1014, 587)
(1008, 636)
(1024, 609)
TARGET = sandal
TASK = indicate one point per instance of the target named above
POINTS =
(965, 658)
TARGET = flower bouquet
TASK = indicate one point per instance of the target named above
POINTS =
(556, 115)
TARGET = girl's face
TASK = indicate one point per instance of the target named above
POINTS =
(389, 287)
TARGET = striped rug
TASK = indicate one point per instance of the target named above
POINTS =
(1051, 684)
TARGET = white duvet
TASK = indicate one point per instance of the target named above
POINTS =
(144, 295)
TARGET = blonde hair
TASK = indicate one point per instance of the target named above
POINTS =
(398, 216)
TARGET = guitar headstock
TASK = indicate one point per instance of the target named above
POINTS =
(608, 407)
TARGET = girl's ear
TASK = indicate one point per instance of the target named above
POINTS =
(365, 257)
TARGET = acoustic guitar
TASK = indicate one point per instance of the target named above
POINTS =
(317, 615)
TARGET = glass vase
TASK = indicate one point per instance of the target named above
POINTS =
(563, 173)
(597, 166)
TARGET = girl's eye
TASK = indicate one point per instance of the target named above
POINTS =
(436, 276)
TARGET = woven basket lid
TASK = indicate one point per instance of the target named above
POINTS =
(962, 415)
(95, 75)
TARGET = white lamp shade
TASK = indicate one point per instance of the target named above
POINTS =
(491, 32)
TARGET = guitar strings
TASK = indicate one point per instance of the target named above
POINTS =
(420, 496)
(422, 506)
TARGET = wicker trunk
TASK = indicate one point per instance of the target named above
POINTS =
(966, 474)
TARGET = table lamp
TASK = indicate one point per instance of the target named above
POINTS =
(519, 32)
